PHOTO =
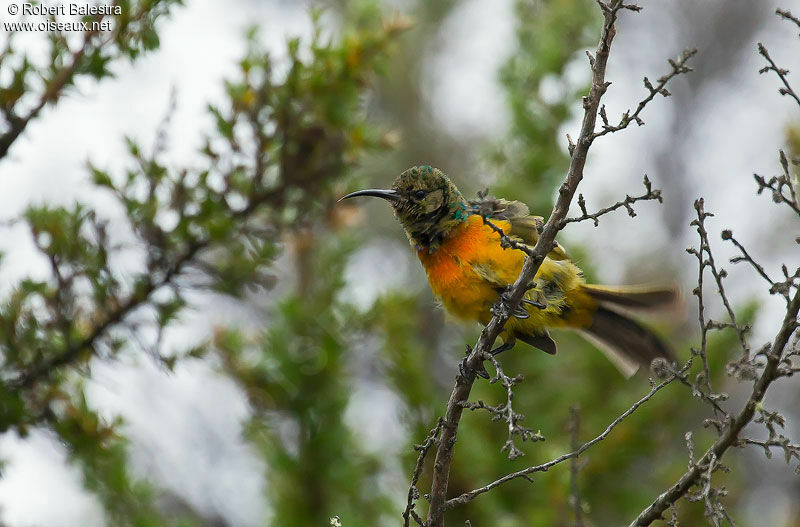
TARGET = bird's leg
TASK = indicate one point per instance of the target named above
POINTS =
(538, 303)
(502, 305)
(463, 369)
(505, 346)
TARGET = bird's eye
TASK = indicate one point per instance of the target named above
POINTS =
(419, 194)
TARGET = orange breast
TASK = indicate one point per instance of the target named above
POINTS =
(453, 268)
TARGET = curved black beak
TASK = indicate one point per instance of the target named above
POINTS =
(389, 195)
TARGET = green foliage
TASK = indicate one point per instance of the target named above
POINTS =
(298, 380)
(283, 142)
(33, 85)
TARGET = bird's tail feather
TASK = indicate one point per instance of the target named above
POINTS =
(624, 341)
(633, 297)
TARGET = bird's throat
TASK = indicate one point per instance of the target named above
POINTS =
(429, 231)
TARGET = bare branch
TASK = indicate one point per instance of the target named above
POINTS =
(779, 184)
(780, 72)
(650, 194)
(706, 259)
(505, 241)
(787, 15)
(413, 491)
(730, 436)
(728, 235)
(507, 413)
(790, 450)
(544, 467)
(678, 67)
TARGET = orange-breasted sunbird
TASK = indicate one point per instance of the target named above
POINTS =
(469, 271)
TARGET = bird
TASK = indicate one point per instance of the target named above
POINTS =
(470, 271)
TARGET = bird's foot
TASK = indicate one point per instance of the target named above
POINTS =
(539, 302)
(534, 303)
(480, 371)
(503, 306)
(464, 369)
(507, 345)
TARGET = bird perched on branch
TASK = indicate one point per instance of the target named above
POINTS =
(471, 266)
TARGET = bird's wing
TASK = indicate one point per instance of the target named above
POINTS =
(524, 226)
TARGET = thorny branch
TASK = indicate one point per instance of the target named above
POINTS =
(787, 15)
(773, 360)
(650, 194)
(678, 67)
(578, 152)
(780, 72)
(777, 184)
(730, 435)
(413, 491)
(544, 467)
(506, 412)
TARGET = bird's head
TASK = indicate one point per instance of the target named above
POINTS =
(426, 202)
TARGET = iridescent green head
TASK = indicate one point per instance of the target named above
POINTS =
(426, 202)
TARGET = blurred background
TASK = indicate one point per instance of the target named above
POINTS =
(312, 388)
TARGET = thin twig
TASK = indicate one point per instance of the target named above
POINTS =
(777, 184)
(730, 436)
(678, 67)
(413, 491)
(780, 72)
(505, 241)
(790, 450)
(544, 467)
(787, 15)
(728, 235)
(650, 194)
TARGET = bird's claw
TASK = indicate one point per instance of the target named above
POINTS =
(464, 369)
(534, 303)
(519, 312)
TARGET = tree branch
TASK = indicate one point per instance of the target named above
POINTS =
(413, 491)
(781, 72)
(730, 436)
(463, 385)
(787, 15)
(627, 202)
(505, 412)
(544, 467)
(678, 67)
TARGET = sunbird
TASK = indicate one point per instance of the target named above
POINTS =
(469, 271)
